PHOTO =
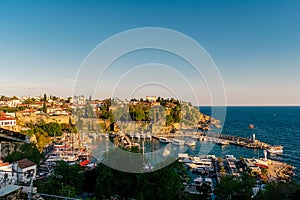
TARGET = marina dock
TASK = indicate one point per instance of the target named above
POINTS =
(222, 139)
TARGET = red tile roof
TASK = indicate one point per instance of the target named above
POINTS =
(6, 118)
(3, 116)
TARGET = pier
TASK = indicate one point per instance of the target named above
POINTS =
(240, 141)
(229, 139)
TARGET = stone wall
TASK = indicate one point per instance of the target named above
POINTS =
(36, 118)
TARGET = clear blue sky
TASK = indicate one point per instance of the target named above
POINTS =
(255, 44)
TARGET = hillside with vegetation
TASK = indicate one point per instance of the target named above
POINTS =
(169, 115)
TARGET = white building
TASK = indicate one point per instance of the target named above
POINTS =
(79, 100)
(6, 120)
(24, 168)
(151, 98)
(6, 174)
(14, 102)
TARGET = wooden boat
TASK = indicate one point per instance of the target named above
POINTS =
(275, 149)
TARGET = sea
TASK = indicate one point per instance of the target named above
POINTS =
(275, 125)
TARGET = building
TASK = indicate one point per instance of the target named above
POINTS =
(57, 111)
(151, 98)
(19, 171)
(6, 120)
(24, 168)
(27, 112)
(13, 103)
(6, 173)
(79, 100)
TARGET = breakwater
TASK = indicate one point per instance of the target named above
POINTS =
(221, 139)
(239, 141)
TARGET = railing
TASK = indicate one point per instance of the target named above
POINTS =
(34, 196)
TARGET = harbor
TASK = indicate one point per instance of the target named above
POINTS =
(203, 170)
(189, 150)
(208, 170)
(219, 139)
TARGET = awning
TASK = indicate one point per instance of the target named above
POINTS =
(84, 163)
(261, 165)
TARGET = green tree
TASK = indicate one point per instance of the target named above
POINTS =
(232, 187)
(66, 180)
(4, 98)
(279, 191)
(51, 128)
(88, 110)
(28, 101)
(166, 182)
(140, 114)
(67, 191)
(44, 104)
(14, 98)
(169, 120)
(26, 150)
(204, 190)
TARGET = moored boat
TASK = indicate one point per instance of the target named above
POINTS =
(164, 140)
(143, 135)
(223, 142)
(198, 181)
(148, 135)
(53, 159)
(191, 143)
(178, 142)
(137, 135)
(275, 149)
(131, 135)
(208, 181)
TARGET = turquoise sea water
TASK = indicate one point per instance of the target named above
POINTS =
(273, 125)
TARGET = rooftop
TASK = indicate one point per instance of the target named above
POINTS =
(24, 163)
